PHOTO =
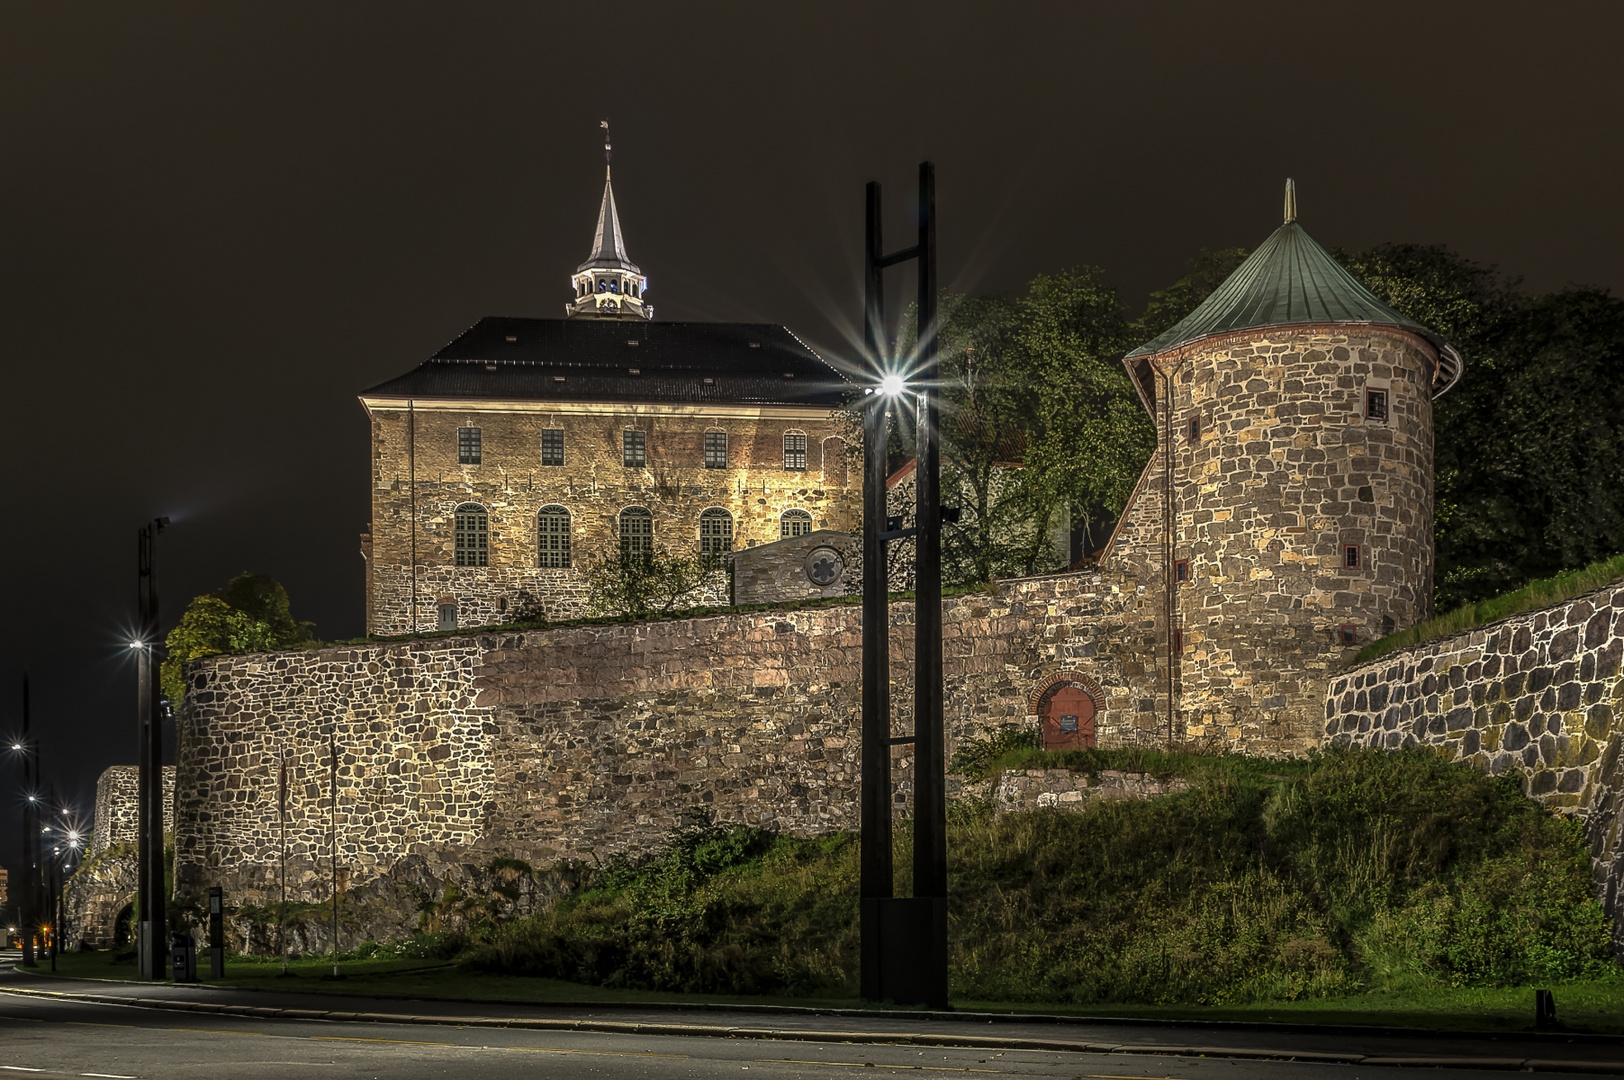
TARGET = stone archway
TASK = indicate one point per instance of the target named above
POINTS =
(1068, 706)
(121, 927)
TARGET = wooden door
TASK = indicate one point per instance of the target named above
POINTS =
(1068, 718)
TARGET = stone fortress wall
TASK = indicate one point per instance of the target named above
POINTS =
(594, 486)
(1538, 696)
(586, 741)
(1269, 466)
(117, 808)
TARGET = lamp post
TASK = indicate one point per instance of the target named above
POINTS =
(28, 894)
(903, 939)
(151, 936)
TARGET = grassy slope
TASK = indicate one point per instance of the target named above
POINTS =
(1536, 594)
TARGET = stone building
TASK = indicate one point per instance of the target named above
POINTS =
(527, 450)
(1285, 519)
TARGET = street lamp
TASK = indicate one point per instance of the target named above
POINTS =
(903, 939)
(151, 934)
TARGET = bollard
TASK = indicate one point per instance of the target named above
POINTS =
(217, 933)
(183, 956)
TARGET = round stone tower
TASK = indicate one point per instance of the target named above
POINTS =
(1293, 480)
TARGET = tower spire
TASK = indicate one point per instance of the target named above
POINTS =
(608, 285)
(1291, 200)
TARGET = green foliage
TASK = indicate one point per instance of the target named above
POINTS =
(637, 585)
(251, 614)
(982, 759)
(733, 910)
(1536, 594)
(1265, 881)
(1529, 454)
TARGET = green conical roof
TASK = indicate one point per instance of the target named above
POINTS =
(1291, 280)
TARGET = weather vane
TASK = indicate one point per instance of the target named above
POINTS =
(605, 125)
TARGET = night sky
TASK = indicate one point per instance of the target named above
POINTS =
(218, 223)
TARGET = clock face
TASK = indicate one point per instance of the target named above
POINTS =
(824, 565)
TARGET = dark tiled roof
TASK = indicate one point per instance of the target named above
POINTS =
(594, 359)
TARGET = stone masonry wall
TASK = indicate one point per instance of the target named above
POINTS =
(593, 485)
(585, 741)
(117, 811)
(1538, 696)
(1283, 469)
(775, 573)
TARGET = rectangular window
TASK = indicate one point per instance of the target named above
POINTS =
(1348, 633)
(795, 451)
(468, 446)
(1181, 571)
(633, 449)
(1178, 641)
(448, 617)
(1376, 405)
(553, 538)
(552, 447)
(1352, 557)
(715, 449)
(1195, 428)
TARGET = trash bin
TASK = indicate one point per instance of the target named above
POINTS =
(183, 957)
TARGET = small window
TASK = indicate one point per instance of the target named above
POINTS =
(794, 523)
(1178, 641)
(636, 533)
(1195, 428)
(1181, 571)
(715, 449)
(715, 533)
(633, 449)
(1352, 557)
(1376, 405)
(1348, 634)
(553, 537)
(552, 446)
(448, 616)
(468, 446)
(471, 535)
(795, 451)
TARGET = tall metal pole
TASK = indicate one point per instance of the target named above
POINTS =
(904, 941)
(150, 760)
(332, 811)
(28, 895)
(876, 868)
(930, 775)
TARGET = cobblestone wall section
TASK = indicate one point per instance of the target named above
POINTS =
(117, 810)
(1025, 790)
(590, 740)
(1538, 696)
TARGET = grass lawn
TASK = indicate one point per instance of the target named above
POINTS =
(1587, 1006)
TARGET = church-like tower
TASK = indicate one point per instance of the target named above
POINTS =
(608, 285)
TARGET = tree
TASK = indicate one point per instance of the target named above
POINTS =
(1529, 458)
(643, 583)
(251, 614)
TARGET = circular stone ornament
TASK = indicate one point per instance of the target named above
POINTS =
(824, 565)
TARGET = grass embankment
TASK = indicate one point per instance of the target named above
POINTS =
(1352, 887)
(1536, 594)
(1350, 873)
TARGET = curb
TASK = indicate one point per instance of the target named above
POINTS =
(717, 1031)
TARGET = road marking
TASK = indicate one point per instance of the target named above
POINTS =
(110, 1076)
(20, 1068)
(876, 1065)
(602, 1053)
(398, 1042)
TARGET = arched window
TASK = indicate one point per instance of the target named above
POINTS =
(636, 533)
(794, 523)
(553, 537)
(715, 532)
(472, 533)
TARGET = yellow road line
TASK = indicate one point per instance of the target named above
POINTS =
(876, 1065)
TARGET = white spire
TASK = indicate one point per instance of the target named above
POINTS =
(609, 285)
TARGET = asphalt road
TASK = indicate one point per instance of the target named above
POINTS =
(47, 1036)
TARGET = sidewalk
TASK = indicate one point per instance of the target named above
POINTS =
(1566, 1052)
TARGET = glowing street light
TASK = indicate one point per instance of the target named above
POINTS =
(892, 385)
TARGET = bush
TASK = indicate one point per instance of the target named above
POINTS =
(1265, 881)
